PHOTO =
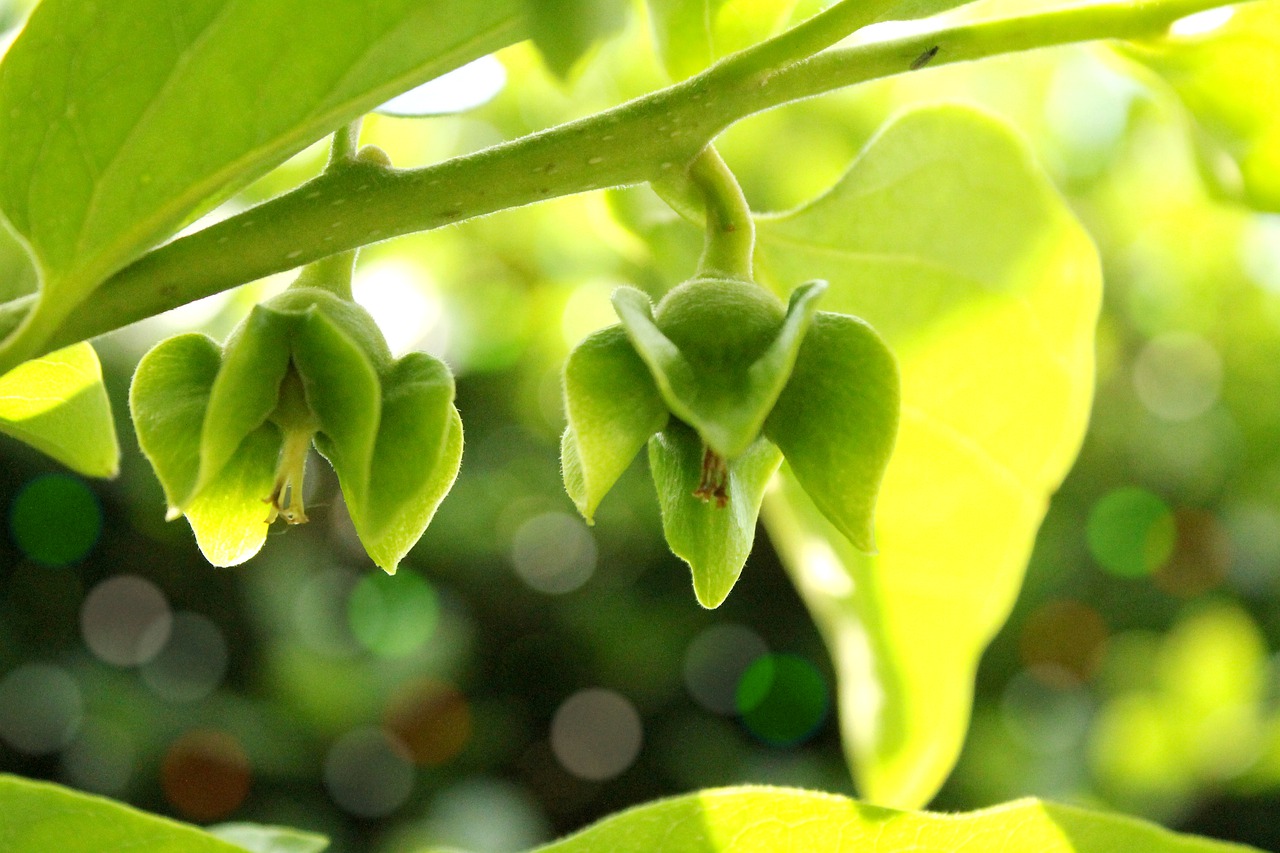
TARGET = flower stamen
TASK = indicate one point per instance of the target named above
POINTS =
(715, 479)
(286, 496)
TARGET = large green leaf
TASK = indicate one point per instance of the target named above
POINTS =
(952, 243)
(770, 820)
(1228, 79)
(58, 405)
(38, 817)
(121, 120)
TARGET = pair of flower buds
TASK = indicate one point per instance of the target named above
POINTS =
(720, 380)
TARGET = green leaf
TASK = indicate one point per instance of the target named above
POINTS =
(107, 148)
(693, 34)
(720, 352)
(39, 816)
(168, 400)
(714, 540)
(246, 390)
(564, 30)
(612, 407)
(269, 839)
(836, 421)
(229, 514)
(1226, 77)
(766, 820)
(952, 243)
(415, 460)
(343, 392)
(58, 405)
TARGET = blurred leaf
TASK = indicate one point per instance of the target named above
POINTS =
(714, 538)
(564, 30)
(693, 34)
(612, 407)
(837, 419)
(269, 839)
(39, 816)
(766, 820)
(951, 242)
(107, 148)
(58, 405)
(1227, 78)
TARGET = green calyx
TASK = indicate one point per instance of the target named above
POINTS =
(721, 381)
(228, 429)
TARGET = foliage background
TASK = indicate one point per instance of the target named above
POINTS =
(1139, 670)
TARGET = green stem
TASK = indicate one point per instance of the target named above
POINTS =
(640, 141)
(731, 230)
(334, 273)
(805, 39)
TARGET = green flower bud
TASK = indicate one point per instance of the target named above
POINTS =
(228, 429)
(721, 381)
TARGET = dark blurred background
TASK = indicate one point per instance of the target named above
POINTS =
(525, 674)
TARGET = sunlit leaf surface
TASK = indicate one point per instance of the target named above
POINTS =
(771, 820)
(39, 816)
(58, 405)
(952, 244)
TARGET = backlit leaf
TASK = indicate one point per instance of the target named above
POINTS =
(1228, 78)
(58, 405)
(768, 820)
(951, 242)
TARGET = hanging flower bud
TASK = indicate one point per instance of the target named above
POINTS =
(228, 429)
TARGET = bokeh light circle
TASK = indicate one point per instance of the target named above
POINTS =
(432, 719)
(782, 699)
(596, 734)
(715, 662)
(126, 620)
(55, 520)
(205, 774)
(191, 664)
(368, 772)
(100, 758)
(554, 553)
(485, 814)
(1045, 719)
(40, 708)
(393, 615)
(1131, 532)
(1062, 642)
(1178, 376)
